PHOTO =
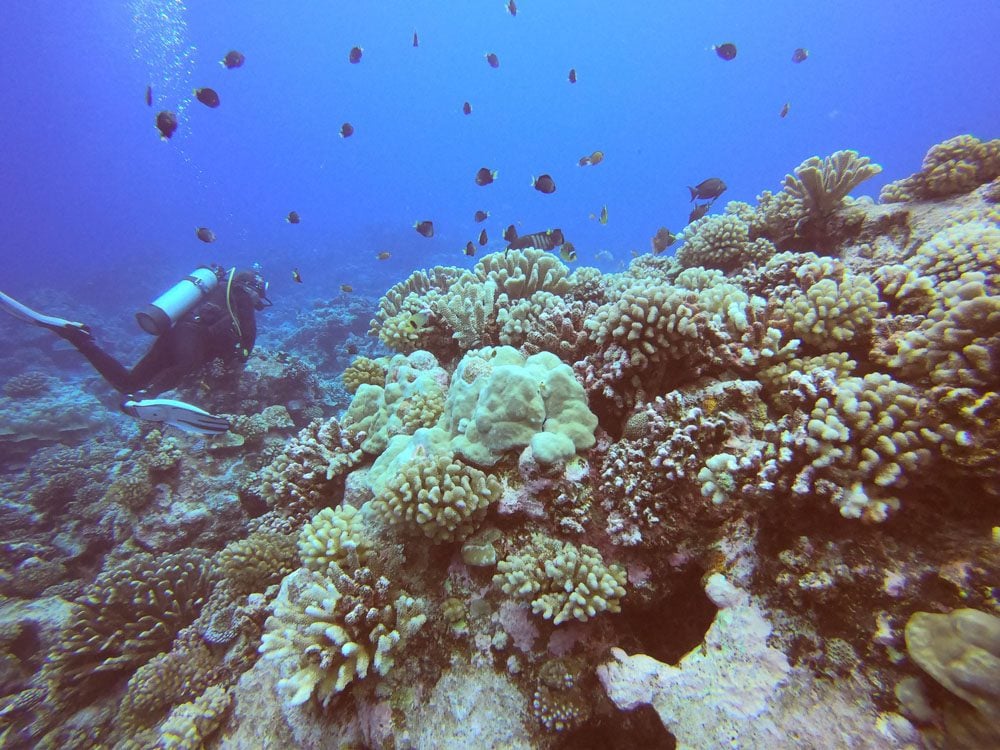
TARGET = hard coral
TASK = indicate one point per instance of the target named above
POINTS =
(363, 371)
(27, 385)
(957, 165)
(561, 580)
(335, 538)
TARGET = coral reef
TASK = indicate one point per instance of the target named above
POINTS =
(957, 165)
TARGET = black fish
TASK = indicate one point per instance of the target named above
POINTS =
(800, 55)
(233, 59)
(699, 210)
(296, 276)
(493, 60)
(355, 56)
(467, 108)
(424, 228)
(510, 233)
(208, 97)
(470, 249)
(346, 130)
(149, 96)
(512, 7)
(547, 240)
(416, 40)
(351, 349)
(482, 215)
(346, 288)
(572, 75)
(543, 184)
(166, 123)
(784, 110)
(293, 217)
(709, 189)
(485, 176)
(205, 234)
(726, 51)
(663, 239)
(483, 239)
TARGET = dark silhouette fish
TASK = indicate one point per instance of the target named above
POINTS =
(510, 233)
(208, 97)
(784, 110)
(482, 215)
(355, 55)
(416, 40)
(663, 239)
(493, 60)
(698, 211)
(296, 276)
(547, 240)
(346, 130)
(166, 123)
(543, 184)
(726, 51)
(485, 176)
(512, 7)
(467, 108)
(709, 189)
(470, 249)
(149, 96)
(293, 217)
(233, 59)
(572, 75)
(483, 239)
(424, 228)
(205, 234)
(800, 55)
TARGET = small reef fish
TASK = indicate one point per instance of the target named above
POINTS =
(346, 288)
(354, 57)
(727, 50)
(603, 218)
(470, 249)
(351, 349)
(296, 276)
(233, 59)
(567, 252)
(481, 216)
(293, 217)
(510, 233)
(709, 189)
(205, 234)
(492, 59)
(384, 255)
(416, 40)
(543, 184)
(572, 75)
(698, 211)
(149, 96)
(595, 158)
(424, 228)
(512, 7)
(784, 110)
(547, 240)
(166, 123)
(801, 54)
(467, 108)
(663, 239)
(483, 239)
(346, 130)
(417, 321)
(485, 176)
(208, 97)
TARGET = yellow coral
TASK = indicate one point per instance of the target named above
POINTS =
(363, 371)
(335, 538)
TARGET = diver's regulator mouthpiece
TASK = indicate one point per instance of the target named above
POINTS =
(157, 317)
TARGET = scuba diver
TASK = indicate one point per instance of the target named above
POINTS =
(210, 314)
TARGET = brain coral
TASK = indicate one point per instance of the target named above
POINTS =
(561, 580)
(499, 400)
(326, 634)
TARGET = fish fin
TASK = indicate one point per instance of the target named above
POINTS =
(694, 193)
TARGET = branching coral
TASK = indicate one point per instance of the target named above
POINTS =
(251, 565)
(521, 273)
(561, 580)
(957, 165)
(326, 634)
(129, 614)
(363, 371)
(467, 308)
(831, 314)
(190, 725)
(335, 538)
(722, 241)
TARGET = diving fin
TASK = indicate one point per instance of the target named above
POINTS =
(22, 312)
(176, 414)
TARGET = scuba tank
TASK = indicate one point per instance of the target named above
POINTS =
(157, 317)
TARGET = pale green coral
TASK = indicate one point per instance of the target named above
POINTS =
(722, 241)
(499, 400)
(831, 314)
(561, 580)
(363, 371)
(190, 725)
(251, 565)
(467, 307)
(957, 165)
(326, 634)
(521, 273)
(335, 537)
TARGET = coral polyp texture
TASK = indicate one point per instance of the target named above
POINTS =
(752, 487)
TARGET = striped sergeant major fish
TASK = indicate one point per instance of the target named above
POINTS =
(547, 240)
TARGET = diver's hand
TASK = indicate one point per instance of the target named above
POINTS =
(176, 414)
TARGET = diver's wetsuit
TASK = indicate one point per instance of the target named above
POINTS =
(205, 333)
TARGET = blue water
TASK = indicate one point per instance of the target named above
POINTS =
(97, 206)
